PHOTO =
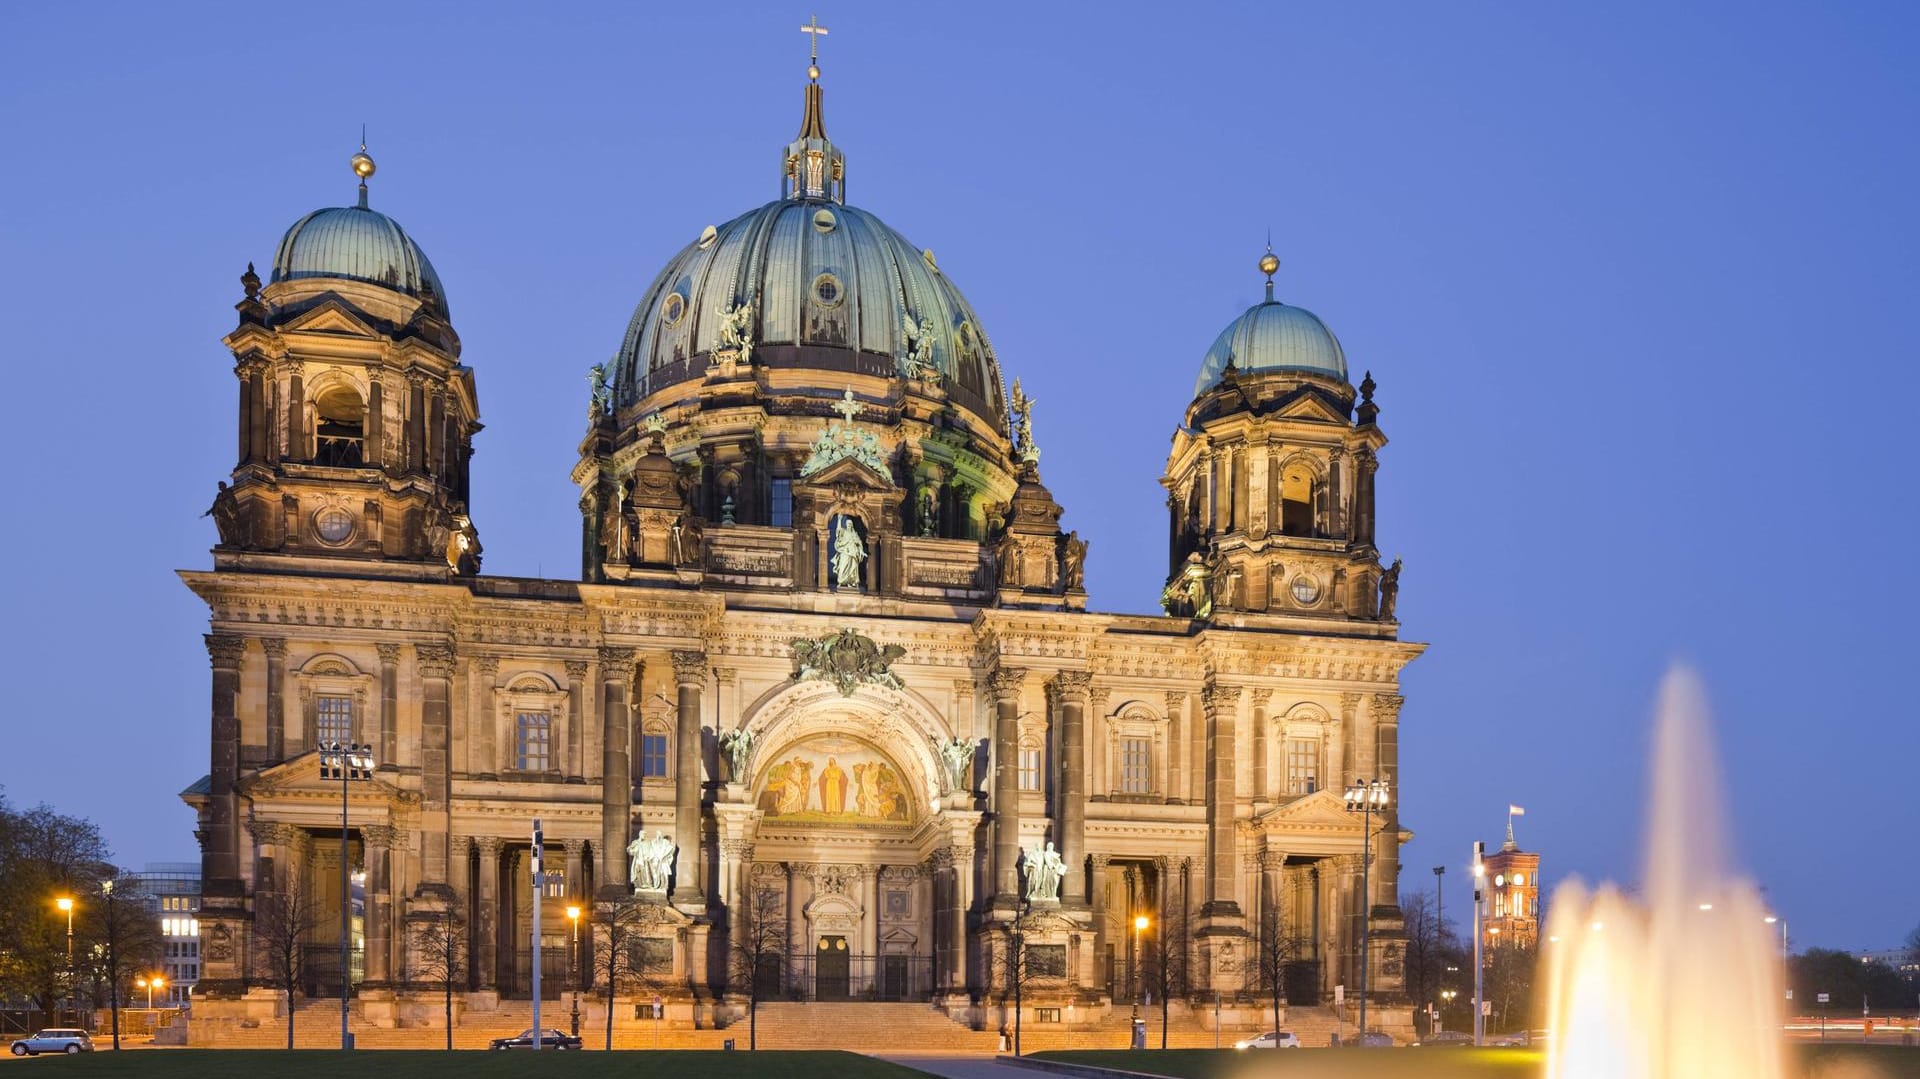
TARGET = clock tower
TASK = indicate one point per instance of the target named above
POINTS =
(356, 416)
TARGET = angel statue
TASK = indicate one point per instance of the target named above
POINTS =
(920, 349)
(736, 330)
(1044, 869)
(738, 746)
(600, 401)
(651, 860)
(955, 757)
(1020, 415)
(848, 555)
(1191, 590)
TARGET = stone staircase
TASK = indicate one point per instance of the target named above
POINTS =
(916, 1028)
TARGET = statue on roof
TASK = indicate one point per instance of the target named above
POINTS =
(920, 338)
(736, 330)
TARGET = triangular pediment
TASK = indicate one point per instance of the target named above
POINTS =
(330, 317)
(1312, 407)
(1323, 810)
(299, 777)
(849, 470)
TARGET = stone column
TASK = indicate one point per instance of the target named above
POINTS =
(296, 416)
(1102, 974)
(483, 754)
(1385, 881)
(1341, 746)
(276, 649)
(486, 930)
(1363, 511)
(1273, 864)
(576, 720)
(416, 421)
(220, 856)
(1006, 784)
(875, 904)
(436, 784)
(1103, 743)
(1175, 758)
(1336, 507)
(389, 704)
(797, 949)
(1223, 709)
(1071, 686)
(1262, 783)
(379, 839)
(616, 779)
(690, 674)
(960, 901)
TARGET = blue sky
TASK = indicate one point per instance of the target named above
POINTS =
(1636, 281)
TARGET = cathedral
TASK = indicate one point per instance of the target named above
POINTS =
(825, 716)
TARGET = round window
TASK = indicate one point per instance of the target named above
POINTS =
(827, 290)
(1306, 591)
(674, 309)
(824, 221)
(333, 524)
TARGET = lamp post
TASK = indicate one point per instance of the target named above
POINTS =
(1479, 968)
(65, 905)
(573, 958)
(1140, 924)
(1366, 798)
(346, 762)
(149, 984)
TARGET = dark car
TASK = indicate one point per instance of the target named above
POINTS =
(549, 1039)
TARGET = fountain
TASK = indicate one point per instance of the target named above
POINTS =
(1682, 981)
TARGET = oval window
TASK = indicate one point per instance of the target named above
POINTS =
(333, 524)
(673, 309)
(828, 291)
(824, 221)
(1306, 591)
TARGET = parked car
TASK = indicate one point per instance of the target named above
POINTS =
(1272, 1039)
(1444, 1038)
(54, 1040)
(549, 1039)
(1519, 1039)
(1372, 1039)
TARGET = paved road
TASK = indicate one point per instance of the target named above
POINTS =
(958, 1067)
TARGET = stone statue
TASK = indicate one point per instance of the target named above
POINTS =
(738, 746)
(920, 336)
(225, 512)
(1191, 591)
(956, 756)
(1389, 591)
(1073, 562)
(848, 659)
(688, 538)
(650, 861)
(929, 512)
(736, 330)
(849, 555)
(463, 547)
(438, 534)
(1020, 416)
(1006, 558)
(1044, 870)
(600, 402)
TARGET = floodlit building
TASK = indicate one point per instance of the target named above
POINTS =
(172, 891)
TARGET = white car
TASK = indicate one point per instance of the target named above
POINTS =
(55, 1040)
(1272, 1039)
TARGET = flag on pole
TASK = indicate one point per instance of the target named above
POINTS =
(1515, 811)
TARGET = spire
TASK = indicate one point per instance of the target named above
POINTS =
(812, 167)
(363, 166)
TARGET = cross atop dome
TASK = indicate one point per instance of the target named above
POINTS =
(813, 30)
(813, 168)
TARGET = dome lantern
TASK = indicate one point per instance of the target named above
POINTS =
(812, 167)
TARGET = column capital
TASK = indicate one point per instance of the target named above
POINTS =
(1260, 697)
(1098, 696)
(689, 668)
(275, 647)
(225, 650)
(1222, 698)
(1100, 861)
(380, 835)
(389, 652)
(1073, 684)
(1176, 701)
(615, 663)
(274, 832)
(576, 669)
(489, 846)
(486, 666)
(1386, 706)
(1007, 681)
(435, 659)
(725, 676)
(1349, 702)
(1273, 859)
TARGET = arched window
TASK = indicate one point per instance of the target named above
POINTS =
(340, 427)
(1296, 501)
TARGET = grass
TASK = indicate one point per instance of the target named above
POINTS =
(468, 1064)
(1815, 1062)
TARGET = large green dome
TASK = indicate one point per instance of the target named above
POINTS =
(1273, 336)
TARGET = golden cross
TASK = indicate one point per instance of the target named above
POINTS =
(814, 28)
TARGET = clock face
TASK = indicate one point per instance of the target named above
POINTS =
(1519, 878)
(1306, 591)
(1499, 880)
(333, 524)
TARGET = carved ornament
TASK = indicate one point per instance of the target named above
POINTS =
(435, 660)
(690, 668)
(225, 650)
(849, 659)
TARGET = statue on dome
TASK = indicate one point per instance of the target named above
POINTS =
(1006, 558)
(1191, 592)
(736, 330)
(1389, 591)
(225, 512)
(601, 400)
(1073, 562)
(688, 538)
(849, 555)
(920, 337)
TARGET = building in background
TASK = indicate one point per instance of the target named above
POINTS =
(1513, 894)
(173, 895)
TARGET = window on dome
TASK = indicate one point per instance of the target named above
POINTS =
(673, 309)
(1296, 501)
(340, 428)
(827, 290)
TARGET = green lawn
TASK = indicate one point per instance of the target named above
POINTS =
(471, 1064)
(1817, 1062)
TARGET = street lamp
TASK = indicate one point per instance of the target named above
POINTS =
(149, 984)
(1479, 968)
(346, 762)
(1366, 798)
(1140, 924)
(573, 975)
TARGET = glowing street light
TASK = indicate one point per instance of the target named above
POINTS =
(1366, 798)
(149, 984)
(1140, 924)
(573, 917)
(346, 762)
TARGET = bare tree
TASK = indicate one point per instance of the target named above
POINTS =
(759, 950)
(1168, 968)
(440, 940)
(1018, 966)
(283, 920)
(620, 955)
(1275, 950)
(120, 935)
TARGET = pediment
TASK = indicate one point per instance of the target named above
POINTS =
(300, 778)
(1322, 810)
(1311, 407)
(331, 316)
(849, 470)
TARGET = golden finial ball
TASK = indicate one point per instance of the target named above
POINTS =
(1269, 263)
(813, 72)
(362, 165)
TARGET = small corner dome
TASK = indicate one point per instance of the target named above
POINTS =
(357, 244)
(1273, 336)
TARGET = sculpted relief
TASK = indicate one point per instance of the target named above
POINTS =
(835, 780)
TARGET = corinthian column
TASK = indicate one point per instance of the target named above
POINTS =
(1006, 783)
(1386, 732)
(276, 649)
(616, 779)
(576, 720)
(436, 672)
(220, 853)
(690, 674)
(389, 702)
(1223, 708)
(379, 839)
(1071, 686)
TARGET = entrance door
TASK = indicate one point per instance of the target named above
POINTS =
(893, 977)
(830, 969)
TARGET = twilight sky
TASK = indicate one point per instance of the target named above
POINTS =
(1637, 282)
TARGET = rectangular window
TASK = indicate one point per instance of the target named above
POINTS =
(534, 752)
(333, 720)
(653, 756)
(1303, 765)
(1046, 1015)
(1030, 769)
(1136, 766)
(781, 512)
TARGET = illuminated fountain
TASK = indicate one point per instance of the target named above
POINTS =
(1682, 981)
